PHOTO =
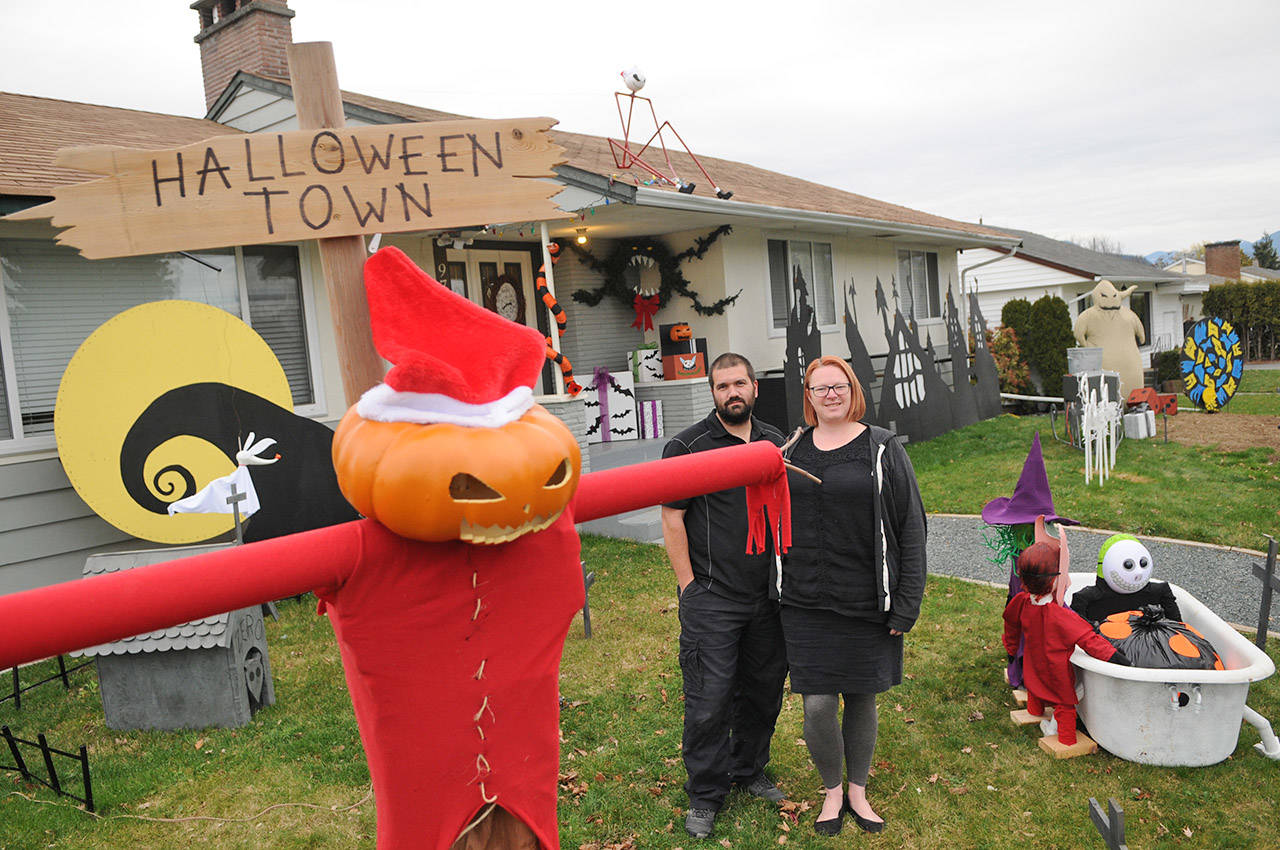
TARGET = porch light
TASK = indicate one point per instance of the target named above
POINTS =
(582, 236)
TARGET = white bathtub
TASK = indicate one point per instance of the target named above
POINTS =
(1174, 717)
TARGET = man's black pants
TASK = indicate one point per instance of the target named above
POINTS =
(734, 662)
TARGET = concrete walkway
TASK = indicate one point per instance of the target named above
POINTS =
(1220, 577)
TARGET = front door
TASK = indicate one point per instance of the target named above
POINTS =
(501, 281)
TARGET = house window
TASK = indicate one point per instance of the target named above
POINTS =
(55, 298)
(918, 293)
(800, 274)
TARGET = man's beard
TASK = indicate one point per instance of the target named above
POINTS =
(730, 417)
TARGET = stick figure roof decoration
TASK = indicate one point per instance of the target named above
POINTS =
(454, 360)
(624, 156)
(1031, 497)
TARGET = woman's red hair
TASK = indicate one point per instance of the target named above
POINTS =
(857, 402)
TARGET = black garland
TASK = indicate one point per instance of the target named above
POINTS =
(614, 268)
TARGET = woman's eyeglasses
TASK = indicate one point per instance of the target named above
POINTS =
(823, 391)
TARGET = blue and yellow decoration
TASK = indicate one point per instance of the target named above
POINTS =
(1212, 363)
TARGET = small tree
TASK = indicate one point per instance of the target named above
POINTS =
(1010, 366)
(1264, 253)
(1015, 314)
(1048, 338)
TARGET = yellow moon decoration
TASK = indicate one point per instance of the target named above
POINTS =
(125, 365)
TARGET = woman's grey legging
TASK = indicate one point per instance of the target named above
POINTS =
(831, 742)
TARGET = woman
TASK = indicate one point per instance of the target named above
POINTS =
(851, 583)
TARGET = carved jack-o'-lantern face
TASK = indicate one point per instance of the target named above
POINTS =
(449, 482)
(681, 332)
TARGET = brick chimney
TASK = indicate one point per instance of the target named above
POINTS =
(242, 35)
(1223, 259)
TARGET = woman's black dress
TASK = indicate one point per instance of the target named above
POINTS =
(836, 641)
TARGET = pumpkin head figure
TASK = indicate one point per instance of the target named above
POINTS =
(681, 332)
(451, 446)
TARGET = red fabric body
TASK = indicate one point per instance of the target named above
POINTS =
(1063, 715)
(1052, 633)
(439, 739)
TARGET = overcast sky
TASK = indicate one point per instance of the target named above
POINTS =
(1155, 124)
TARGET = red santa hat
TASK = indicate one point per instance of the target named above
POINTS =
(454, 361)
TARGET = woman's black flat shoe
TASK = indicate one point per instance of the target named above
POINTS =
(829, 827)
(864, 824)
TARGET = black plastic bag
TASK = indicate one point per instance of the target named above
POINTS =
(1150, 640)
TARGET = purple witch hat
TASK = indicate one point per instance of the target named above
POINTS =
(1031, 497)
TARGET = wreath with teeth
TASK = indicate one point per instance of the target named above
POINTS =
(648, 252)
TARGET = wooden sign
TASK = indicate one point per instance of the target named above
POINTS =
(305, 184)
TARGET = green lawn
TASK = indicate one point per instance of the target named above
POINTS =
(1260, 381)
(1259, 393)
(951, 771)
(1156, 488)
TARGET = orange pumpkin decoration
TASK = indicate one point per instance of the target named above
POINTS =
(680, 332)
(450, 482)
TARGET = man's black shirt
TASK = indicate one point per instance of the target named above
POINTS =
(716, 524)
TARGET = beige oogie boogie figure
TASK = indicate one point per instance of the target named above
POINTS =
(1117, 330)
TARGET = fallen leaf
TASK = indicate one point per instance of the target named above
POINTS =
(1186, 830)
(782, 839)
(199, 743)
(966, 749)
(976, 715)
(933, 777)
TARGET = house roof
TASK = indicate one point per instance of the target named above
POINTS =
(748, 183)
(32, 129)
(1088, 263)
(1259, 271)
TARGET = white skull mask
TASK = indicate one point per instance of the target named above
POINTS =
(1125, 564)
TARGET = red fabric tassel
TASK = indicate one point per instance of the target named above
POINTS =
(646, 309)
(768, 500)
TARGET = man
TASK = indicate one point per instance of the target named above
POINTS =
(731, 649)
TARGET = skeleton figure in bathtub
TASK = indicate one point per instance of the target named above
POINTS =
(1052, 632)
(1124, 583)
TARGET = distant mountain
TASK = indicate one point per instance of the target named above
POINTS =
(1163, 258)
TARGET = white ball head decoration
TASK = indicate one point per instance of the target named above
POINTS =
(634, 78)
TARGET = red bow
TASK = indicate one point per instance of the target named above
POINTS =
(646, 308)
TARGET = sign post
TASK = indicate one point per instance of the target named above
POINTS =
(324, 181)
(318, 101)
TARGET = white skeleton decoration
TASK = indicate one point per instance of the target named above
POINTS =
(1100, 430)
(213, 498)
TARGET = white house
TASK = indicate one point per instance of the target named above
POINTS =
(839, 241)
(1040, 266)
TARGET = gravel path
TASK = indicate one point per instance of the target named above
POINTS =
(1220, 577)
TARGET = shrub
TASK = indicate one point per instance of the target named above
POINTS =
(1047, 339)
(1014, 375)
(1167, 365)
(1016, 314)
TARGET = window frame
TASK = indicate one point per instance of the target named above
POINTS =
(942, 290)
(46, 444)
(787, 238)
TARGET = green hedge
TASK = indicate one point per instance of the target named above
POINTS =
(1048, 338)
(1253, 309)
(1168, 365)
